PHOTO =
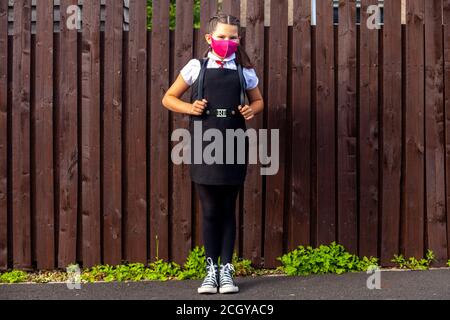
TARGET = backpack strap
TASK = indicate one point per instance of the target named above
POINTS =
(243, 84)
(201, 78)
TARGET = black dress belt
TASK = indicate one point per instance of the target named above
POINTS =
(221, 112)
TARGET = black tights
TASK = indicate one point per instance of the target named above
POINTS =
(218, 204)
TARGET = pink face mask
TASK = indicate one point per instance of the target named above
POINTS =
(224, 48)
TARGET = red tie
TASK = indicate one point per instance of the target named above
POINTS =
(220, 63)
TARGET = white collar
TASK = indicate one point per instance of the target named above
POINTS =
(214, 57)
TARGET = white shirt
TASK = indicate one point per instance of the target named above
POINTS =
(191, 70)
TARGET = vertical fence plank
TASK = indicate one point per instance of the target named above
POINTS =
(253, 192)
(159, 184)
(346, 128)
(112, 134)
(277, 105)
(44, 197)
(231, 7)
(181, 183)
(436, 228)
(208, 8)
(67, 126)
(21, 135)
(3, 134)
(446, 38)
(135, 136)
(325, 124)
(368, 133)
(90, 134)
(391, 133)
(299, 206)
(413, 192)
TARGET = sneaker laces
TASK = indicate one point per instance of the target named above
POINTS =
(211, 277)
(226, 275)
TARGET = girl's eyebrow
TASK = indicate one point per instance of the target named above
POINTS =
(222, 35)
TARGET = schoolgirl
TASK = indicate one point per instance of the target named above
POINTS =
(219, 81)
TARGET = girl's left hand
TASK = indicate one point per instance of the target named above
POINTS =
(247, 112)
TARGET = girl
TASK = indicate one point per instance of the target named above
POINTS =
(219, 82)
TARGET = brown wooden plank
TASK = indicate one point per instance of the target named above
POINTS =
(33, 214)
(413, 191)
(3, 135)
(79, 236)
(44, 188)
(391, 132)
(159, 153)
(112, 135)
(253, 191)
(135, 137)
(67, 126)
(325, 125)
(276, 120)
(90, 134)
(446, 37)
(436, 226)
(347, 128)
(232, 7)
(208, 8)
(368, 134)
(238, 245)
(300, 193)
(181, 182)
(21, 135)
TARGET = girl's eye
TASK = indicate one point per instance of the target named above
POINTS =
(232, 38)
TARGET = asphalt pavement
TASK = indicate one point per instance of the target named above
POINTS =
(392, 285)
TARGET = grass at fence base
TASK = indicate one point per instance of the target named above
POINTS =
(324, 259)
(415, 264)
(299, 262)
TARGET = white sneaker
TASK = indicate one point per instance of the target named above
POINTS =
(226, 279)
(210, 283)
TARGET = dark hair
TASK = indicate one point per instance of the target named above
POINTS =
(241, 56)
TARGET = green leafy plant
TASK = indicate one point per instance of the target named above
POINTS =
(414, 264)
(158, 270)
(48, 276)
(162, 271)
(322, 260)
(14, 276)
(195, 265)
(242, 267)
(98, 273)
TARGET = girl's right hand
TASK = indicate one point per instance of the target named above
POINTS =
(197, 107)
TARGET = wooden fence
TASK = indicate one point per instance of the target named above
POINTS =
(364, 115)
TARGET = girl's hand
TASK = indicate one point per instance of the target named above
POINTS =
(197, 107)
(247, 112)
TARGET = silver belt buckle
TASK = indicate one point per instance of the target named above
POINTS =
(221, 113)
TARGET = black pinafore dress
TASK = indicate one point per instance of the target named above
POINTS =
(223, 89)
